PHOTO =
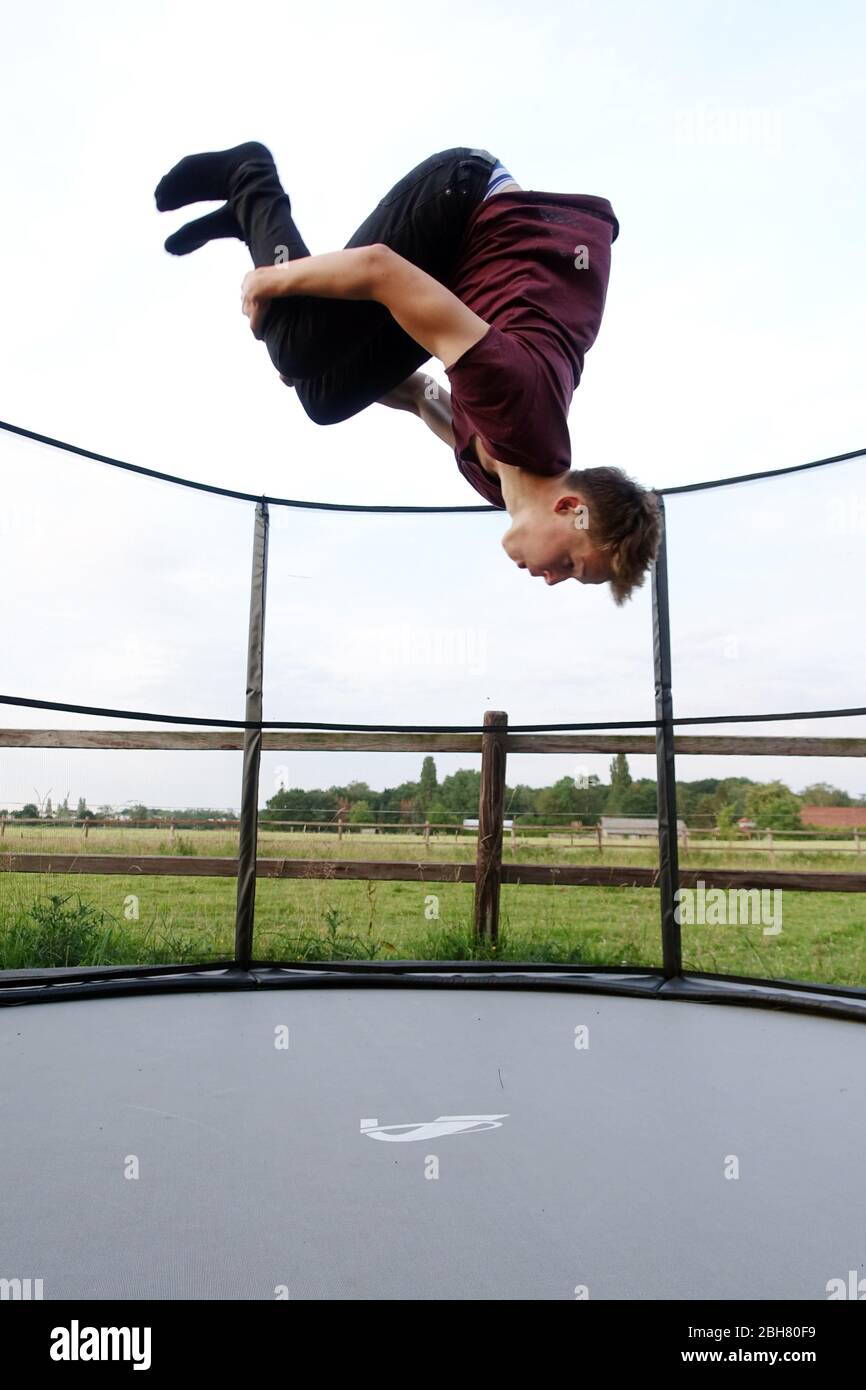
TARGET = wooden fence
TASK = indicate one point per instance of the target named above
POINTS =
(489, 872)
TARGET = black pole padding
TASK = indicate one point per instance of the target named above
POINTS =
(491, 808)
(669, 869)
(249, 817)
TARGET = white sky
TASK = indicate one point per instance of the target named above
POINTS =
(729, 139)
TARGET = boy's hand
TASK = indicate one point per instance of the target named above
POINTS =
(256, 295)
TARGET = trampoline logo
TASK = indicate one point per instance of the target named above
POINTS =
(431, 1129)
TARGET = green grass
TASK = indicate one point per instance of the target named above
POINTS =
(53, 919)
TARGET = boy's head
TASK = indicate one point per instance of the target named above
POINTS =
(595, 525)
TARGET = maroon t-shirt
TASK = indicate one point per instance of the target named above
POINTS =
(535, 266)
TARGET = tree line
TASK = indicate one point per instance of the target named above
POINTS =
(581, 799)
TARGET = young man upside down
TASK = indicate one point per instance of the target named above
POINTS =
(505, 286)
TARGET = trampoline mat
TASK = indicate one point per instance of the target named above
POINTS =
(429, 1144)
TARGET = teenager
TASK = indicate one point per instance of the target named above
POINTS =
(505, 286)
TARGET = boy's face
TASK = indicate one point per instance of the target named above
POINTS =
(549, 545)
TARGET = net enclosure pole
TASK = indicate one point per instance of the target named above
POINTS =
(491, 804)
(669, 870)
(248, 835)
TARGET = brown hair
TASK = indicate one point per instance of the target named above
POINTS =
(624, 521)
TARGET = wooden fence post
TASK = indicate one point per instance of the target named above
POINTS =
(426, 835)
(598, 832)
(491, 802)
(770, 843)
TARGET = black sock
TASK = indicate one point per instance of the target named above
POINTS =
(221, 223)
(201, 178)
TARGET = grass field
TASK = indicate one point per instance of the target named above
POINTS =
(55, 919)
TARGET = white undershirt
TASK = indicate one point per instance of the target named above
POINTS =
(500, 180)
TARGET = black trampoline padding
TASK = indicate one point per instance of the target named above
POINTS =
(300, 1171)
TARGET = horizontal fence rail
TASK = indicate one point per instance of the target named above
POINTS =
(431, 871)
(751, 745)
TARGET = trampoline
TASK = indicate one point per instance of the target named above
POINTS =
(375, 1130)
(432, 1143)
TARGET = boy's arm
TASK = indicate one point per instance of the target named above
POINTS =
(431, 315)
(425, 398)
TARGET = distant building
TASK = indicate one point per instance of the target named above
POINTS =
(624, 826)
(834, 817)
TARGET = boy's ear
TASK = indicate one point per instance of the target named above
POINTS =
(574, 503)
(568, 501)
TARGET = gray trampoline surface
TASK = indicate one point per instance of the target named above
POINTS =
(604, 1168)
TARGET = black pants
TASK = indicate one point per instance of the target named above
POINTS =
(344, 354)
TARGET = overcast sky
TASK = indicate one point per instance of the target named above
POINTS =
(729, 139)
